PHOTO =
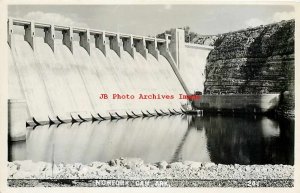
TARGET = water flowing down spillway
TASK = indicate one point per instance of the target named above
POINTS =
(62, 83)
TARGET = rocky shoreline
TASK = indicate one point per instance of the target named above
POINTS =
(135, 169)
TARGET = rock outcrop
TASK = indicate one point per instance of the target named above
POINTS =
(255, 60)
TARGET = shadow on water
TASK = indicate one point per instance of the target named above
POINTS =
(219, 139)
(249, 140)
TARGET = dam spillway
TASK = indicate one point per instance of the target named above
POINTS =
(58, 78)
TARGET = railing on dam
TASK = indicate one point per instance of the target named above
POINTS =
(198, 46)
(128, 41)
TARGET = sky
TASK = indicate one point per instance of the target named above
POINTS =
(153, 19)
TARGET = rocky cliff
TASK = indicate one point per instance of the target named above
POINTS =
(254, 60)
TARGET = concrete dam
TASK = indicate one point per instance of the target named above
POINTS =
(57, 74)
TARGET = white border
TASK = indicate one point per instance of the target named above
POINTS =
(4, 84)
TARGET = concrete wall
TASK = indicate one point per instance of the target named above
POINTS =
(190, 60)
(193, 65)
(240, 102)
(62, 79)
(58, 79)
(17, 116)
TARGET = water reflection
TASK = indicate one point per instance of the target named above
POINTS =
(227, 140)
(245, 140)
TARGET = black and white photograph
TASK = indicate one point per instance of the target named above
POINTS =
(163, 95)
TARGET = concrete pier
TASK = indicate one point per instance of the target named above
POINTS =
(140, 45)
(116, 44)
(68, 38)
(177, 45)
(29, 34)
(128, 45)
(101, 43)
(152, 48)
(50, 36)
(17, 114)
(9, 31)
(85, 40)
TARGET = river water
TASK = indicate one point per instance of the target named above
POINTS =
(219, 139)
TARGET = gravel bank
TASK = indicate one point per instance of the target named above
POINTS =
(135, 169)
